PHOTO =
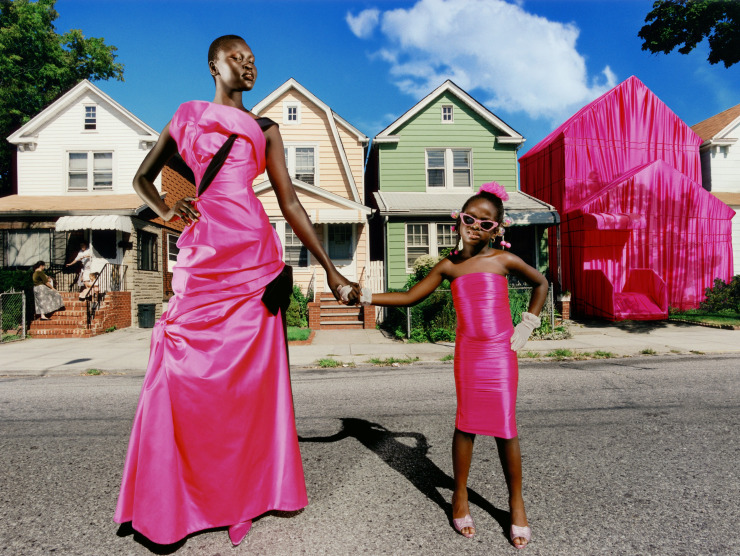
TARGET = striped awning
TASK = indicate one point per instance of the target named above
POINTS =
(100, 222)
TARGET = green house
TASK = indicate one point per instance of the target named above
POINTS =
(427, 163)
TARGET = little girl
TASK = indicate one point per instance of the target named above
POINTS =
(486, 371)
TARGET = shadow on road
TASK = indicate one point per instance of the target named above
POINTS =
(126, 529)
(411, 462)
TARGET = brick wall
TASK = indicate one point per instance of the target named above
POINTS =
(117, 310)
(145, 285)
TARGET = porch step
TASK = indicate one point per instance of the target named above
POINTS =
(341, 325)
(71, 322)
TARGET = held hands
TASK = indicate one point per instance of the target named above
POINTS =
(346, 292)
(366, 295)
(523, 330)
(185, 209)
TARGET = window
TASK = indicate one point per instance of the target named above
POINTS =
(447, 114)
(90, 118)
(88, 169)
(448, 168)
(291, 113)
(147, 250)
(172, 251)
(419, 240)
(340, 241)
(24, 247)
(296, 253)
(301, 162)
(446, 238)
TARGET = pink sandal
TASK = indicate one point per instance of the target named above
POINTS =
(520, 532)
(239, 531)
(462, 522)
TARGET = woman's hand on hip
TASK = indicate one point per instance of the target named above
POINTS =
(185, 209)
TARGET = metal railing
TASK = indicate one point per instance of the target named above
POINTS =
(111, 278)
(65, 277)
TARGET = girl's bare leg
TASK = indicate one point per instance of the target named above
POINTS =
(511, 462)
(462, 454)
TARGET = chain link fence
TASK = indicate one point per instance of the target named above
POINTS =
(13, 315)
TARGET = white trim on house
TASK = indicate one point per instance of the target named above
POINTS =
(287, 105)
(449, 86)
(329, 196)
(332, 118)
(449, 170)
(27, 135)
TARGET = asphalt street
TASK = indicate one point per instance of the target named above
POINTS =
(626, 456)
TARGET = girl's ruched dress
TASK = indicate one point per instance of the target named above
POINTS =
(486, 369)
(214, 440)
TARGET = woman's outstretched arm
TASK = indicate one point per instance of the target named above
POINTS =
(418, 292)
(150, 168)
(296, 215)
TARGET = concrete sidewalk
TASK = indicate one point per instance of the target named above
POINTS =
(127, 350)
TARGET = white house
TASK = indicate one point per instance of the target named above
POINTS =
(720, 165)
(76, 161)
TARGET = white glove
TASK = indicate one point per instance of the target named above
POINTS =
(366, 296)
(523, 330)
(344, 293)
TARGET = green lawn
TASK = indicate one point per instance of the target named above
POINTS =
(697, 315)
(298, 334)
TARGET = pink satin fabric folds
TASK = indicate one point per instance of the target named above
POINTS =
(214, 440)
(486, 369)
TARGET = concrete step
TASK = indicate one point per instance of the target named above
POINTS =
(341, 325)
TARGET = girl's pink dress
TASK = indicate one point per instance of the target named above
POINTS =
(486, 369)
(214, 441)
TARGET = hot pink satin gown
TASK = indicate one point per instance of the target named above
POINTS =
(214, 440)
(486, 369)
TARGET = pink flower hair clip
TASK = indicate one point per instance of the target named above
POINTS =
(494, 189)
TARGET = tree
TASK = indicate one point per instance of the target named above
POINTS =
(688, 22)
(37, 65)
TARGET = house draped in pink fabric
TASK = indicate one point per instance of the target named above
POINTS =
(638, 232)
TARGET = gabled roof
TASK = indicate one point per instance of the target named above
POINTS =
(323, 193)
(509, 134)
(28, 132)
(637, 95)
(331, 117)
(718, 125)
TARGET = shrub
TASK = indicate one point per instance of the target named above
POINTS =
(297, 313)
(723, 296)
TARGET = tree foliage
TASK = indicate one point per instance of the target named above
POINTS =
(37, 65)
(687, 22)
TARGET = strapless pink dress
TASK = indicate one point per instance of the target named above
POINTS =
(486, 369)
(214, 440)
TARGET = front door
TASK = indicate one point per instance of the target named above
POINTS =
(339, 241)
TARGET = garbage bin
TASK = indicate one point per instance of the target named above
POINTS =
(146, 315)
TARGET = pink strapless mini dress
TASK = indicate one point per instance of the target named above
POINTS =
(486, 369)
(214, 440)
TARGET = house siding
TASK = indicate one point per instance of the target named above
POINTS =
(314, 129)
(396, 254)
(725, 165)
(403, 165)
(43, 171)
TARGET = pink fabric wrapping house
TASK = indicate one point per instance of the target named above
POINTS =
(638, 231)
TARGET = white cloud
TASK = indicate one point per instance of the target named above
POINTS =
(521, 61)
(364, 23)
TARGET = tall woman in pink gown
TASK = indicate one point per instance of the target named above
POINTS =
(214, 441)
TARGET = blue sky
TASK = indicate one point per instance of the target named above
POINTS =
(532, 62)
